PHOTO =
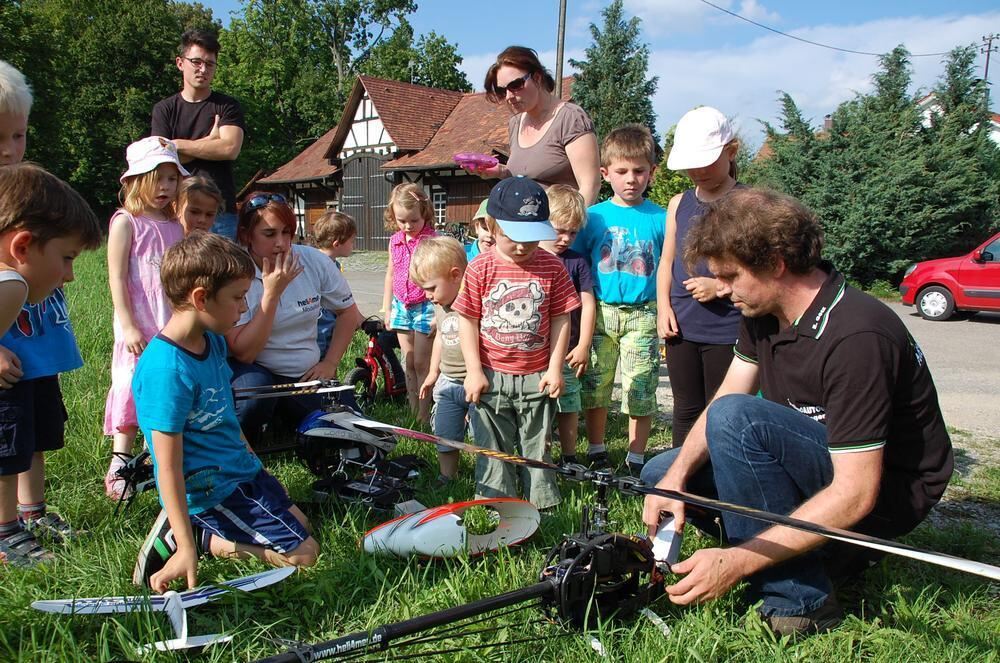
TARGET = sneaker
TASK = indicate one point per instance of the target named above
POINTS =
(158, 547)
(23, 550)
(824, 618)
(115, 486)
(52, 527)
(598, 461)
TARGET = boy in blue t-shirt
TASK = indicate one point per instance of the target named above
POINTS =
(623, 239)
(217, 499)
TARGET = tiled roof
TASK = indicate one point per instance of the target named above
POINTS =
(410, 113)
(475, 125)
(310, 164)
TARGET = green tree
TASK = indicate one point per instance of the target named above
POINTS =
(96, 68)
(431, 61)
(890, 188)
(611, 84)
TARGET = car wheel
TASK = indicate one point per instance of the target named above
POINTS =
(935, 303)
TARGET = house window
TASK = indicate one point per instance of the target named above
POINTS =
(439, 197)
(299, 206)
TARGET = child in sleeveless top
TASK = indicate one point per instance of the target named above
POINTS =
(408, 311)
(700, 328)
(138, 236)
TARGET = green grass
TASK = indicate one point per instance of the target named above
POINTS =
(907, 611)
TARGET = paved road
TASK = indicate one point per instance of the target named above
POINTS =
(963, 355)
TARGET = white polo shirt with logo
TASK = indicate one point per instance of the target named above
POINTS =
(291, 348)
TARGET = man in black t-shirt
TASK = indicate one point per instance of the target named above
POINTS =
(848, 433)
(206, 126)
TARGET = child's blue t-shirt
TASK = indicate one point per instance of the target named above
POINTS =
(176, 391)
(623, 245)
(42, 338)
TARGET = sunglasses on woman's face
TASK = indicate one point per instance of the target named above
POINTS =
(261, 201)
(514, 86)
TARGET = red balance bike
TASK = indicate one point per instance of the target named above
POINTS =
(380, 365)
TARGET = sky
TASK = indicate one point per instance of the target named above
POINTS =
(705, 57)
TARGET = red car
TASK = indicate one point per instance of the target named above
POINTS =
(967, 283)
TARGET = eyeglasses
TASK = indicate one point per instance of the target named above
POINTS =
(262, 200)
(198, 63)
(513, 86)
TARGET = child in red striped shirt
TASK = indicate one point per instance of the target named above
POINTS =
(514, 332)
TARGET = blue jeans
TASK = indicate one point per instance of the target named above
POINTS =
(766, 456)
(450, 411)
(225, 225)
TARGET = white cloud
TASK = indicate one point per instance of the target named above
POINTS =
(666, 17)
(744, 80)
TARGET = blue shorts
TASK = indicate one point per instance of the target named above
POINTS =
(256, 513)
(417, 317)
(450, 410)
(32, 418)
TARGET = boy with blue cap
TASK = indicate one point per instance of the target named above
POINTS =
(514, 333)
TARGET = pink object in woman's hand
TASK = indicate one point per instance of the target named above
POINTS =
(474, 161)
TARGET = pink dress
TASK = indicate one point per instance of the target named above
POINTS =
(150, 309)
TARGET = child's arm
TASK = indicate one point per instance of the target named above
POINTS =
(169, 450)
(387, 296)
(580, 355)
(13, 295)
(435, 369)
(559, 340)
(475, 380)
(666, 321)
(10, 368)
(119, 250)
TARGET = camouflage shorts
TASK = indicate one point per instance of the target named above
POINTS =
(626, 334)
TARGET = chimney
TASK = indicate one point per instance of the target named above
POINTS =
(827, 122)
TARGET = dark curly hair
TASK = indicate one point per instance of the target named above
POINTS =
(756, 227)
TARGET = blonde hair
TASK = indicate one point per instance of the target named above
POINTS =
(139, 190)
(332, 227)
(567, 209)
(408, 196)
(630, 142)
(15, 95)
(198, 184)
(435, 256)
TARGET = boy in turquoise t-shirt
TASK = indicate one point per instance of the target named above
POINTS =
(217, 499)
(623, 239)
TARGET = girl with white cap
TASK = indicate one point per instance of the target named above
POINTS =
(700, 328)
(138, 235)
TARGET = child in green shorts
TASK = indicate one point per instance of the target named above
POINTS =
(623, 239)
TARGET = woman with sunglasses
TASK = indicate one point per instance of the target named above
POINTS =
(274, 341)
(551, 141)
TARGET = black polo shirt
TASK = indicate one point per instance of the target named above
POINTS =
(850, 363)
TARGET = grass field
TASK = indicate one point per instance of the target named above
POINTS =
(907, 611)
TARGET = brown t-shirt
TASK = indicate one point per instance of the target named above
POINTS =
(546, 161)
(452, 361)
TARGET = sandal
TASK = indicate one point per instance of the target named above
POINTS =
(52, 527)
(23, 550)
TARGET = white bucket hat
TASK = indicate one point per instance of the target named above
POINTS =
(146, 154)
(699, 138)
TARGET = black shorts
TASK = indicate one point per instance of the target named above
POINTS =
(32, 418)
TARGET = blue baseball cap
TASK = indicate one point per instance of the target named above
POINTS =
(521, 208)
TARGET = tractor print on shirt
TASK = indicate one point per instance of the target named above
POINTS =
(619, 253)
(511, 316)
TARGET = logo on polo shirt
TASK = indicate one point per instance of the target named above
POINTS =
(307, 304)
(815, 412)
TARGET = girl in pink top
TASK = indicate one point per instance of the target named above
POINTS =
(409, 213)
(138, 236)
